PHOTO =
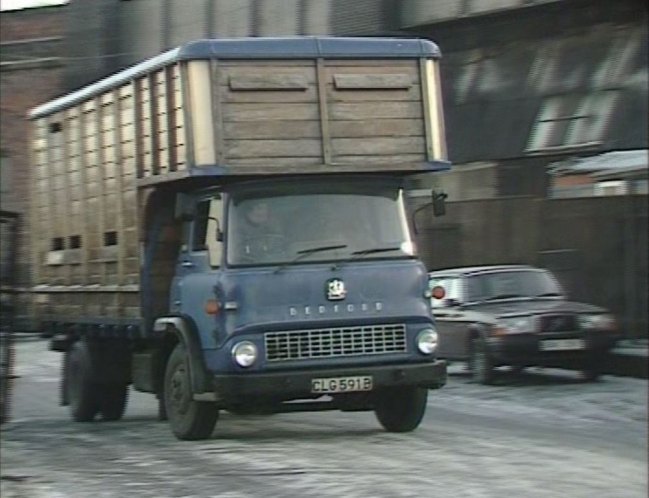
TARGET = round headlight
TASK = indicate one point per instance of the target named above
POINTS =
(427, 341)
(244, 353)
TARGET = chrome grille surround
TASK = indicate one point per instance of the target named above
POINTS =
(335, 342)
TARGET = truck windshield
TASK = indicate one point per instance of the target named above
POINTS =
(320, 220)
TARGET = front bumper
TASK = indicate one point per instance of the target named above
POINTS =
(295, 385)
(526, 349)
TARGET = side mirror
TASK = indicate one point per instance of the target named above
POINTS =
(439, 203)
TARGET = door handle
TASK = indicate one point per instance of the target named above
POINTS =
(187, 264)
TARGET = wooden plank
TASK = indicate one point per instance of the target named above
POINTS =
(269, 96)
(258, 71)
(119, 174)
(217, 113)
(270, 112)
(286, 82)
(50, 219)
(272, 129)
(153, 119)
(378, 146)
(324, 112)
(85, 231)
(137, 123)
(384, 65)
(272, 148)
(376, 81)
(66, 189)
(369, 111)
(189, 132)
(413, 93)
(100, 213)
(425, 95)
(172, 131)
(378, 128)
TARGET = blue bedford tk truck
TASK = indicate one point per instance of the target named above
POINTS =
(225, 226)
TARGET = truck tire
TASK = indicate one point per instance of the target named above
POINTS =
(482, 370)
(189, 419)
(401, 409)
(113, 401)
(82, 392)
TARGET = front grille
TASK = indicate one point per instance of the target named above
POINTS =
(335, 342)
(558, 323)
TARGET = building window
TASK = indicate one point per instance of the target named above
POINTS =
(572, 121)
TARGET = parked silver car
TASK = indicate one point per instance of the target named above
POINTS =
(519, 316)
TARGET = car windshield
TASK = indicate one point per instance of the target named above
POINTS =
(317, 220)
(512, 284)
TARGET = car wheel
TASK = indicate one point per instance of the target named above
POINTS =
(113, 401)
(81, 390)
(401, 409)
(189, 419)
(482, 370)
(592, 369)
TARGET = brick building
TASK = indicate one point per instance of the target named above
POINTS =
(31, 71)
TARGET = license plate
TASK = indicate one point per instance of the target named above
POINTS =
(341, 384)
(562, 344)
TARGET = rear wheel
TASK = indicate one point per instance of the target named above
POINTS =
(189, 419)
(113, 401)
(82, 392)
(401, 409)
(592, 368)
(481, 364)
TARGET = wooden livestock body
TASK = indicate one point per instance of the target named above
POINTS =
(211, 109)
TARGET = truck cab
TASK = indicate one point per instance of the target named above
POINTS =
(304, 288)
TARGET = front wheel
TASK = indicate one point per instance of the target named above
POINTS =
(113, 401)
(401, 409)
(481, 364)
(189, 419)
(81, 390)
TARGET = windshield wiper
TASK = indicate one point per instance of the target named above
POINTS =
(549, 294)
(363, 252)
(306, 252)
(503, 296)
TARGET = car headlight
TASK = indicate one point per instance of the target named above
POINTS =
(427, 341)
(244, 353)
(599, 321)
(515, 325)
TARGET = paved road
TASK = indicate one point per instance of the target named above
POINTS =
(540, 434)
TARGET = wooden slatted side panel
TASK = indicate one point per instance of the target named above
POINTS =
(178, 134)
(85, 211)
(160, 123)
(375, 111)
(270, 114)
(127, 168)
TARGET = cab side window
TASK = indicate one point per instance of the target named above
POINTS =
(207, 227)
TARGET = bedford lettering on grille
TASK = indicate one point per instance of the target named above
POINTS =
(327, 343)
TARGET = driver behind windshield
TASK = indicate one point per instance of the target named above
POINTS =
(259, 236)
